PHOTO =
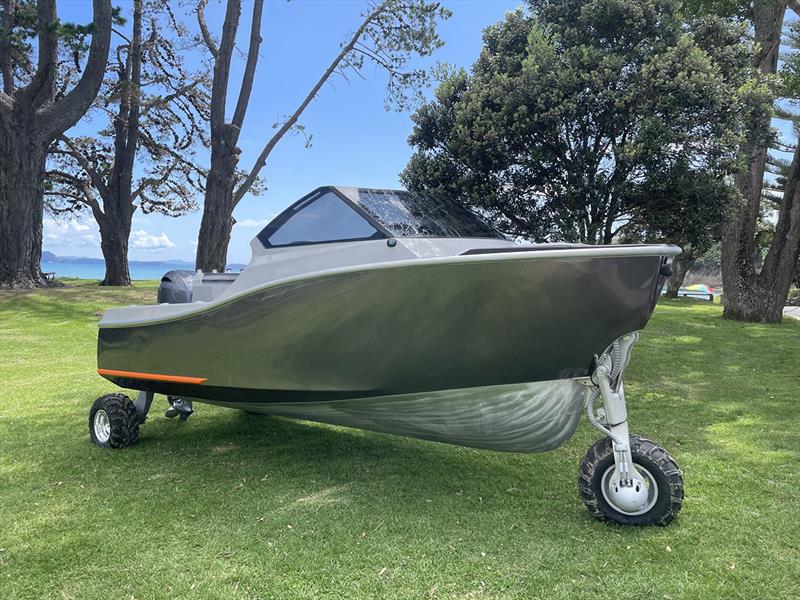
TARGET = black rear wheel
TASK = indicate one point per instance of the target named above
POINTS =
(113, 422)
(657, 469)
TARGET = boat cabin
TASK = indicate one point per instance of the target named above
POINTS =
(337, 227)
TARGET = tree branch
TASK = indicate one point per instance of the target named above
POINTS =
(86, 165)
(159, 101)
(149, 182)
(134, 94)
(86, 197)
(262, 158)
(120, 34)
(782, 253)
(40, 88)
(56, 118)
(250, 68)
(146, 137)
(201, 21)
(222, 65)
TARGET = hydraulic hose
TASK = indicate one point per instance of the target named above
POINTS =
(616, 360)
(593, 420)
(616, 363)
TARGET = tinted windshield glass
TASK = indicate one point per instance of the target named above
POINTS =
(406, 214)
(325, 218)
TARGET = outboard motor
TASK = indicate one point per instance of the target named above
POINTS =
(175, 287)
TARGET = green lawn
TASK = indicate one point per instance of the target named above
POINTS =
(229, 505)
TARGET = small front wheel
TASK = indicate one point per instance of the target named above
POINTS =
(113, 422)
(661, 500)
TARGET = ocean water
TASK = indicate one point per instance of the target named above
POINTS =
(92, 270)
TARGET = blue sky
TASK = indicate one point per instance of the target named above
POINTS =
(355, 140)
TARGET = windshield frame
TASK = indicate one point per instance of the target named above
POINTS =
(273, 226)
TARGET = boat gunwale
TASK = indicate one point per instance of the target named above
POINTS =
(536, 253)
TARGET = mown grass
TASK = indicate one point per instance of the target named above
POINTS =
(230, 505)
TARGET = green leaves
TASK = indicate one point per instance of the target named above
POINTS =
(572, 107)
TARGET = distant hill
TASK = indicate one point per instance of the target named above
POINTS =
(49, 257)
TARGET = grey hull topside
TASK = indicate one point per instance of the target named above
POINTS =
(399, 327)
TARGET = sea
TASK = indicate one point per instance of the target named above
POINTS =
(96, 270)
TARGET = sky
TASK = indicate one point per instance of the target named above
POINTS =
(355, 140)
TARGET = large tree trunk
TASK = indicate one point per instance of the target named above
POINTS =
(680, 267)
(115, 226)
(751, 295)
(758, 303)
(217, 222)
(115, 230)
(115, 252)
(22, 161)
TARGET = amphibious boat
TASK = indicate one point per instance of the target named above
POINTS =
(403, 313)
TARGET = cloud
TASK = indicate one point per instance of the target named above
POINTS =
(70, 233)
(260, 223)
(73, 234)
(149, 241)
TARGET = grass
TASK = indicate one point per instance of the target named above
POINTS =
(230, 505)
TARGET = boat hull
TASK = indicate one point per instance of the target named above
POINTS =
(531, 417)
(409, 350)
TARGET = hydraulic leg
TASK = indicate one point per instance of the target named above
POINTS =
(626, 484)
(142, 405)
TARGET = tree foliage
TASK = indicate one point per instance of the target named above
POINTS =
(580, 121)
(170, 105)
(152, 112)
(37, 105)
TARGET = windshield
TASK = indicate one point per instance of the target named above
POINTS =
(324, 217)
(406, 214)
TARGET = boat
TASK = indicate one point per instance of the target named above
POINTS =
(406, 313)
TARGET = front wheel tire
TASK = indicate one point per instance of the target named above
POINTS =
(113, 422)
(655, 466)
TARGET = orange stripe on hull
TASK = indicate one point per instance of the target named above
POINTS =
(153, 376)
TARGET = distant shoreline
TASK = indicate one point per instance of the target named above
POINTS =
(94, 268)
(86, 270)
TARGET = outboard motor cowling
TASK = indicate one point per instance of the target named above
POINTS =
(175, 287)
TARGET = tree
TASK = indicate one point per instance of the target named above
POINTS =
(753, 294)
(684, 207)
(389, 34)
(160, 110)
(572, 108)
(32, 116)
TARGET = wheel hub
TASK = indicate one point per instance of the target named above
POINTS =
(102, 426)
(633, 499)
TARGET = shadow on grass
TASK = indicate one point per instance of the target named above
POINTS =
(225, 470)
(207, 445)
